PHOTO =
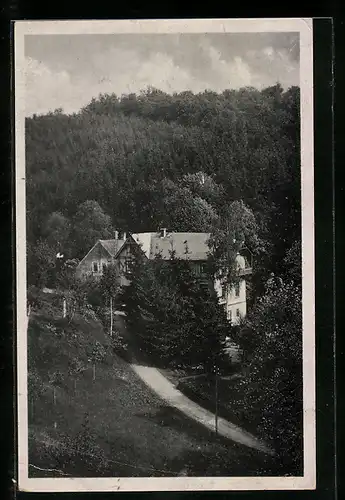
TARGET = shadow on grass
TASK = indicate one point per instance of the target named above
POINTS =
(167, 416)
(225, 463)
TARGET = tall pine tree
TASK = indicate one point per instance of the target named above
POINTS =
(173, 316)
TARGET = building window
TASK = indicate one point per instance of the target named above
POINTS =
(104, 266)
(203, 268)
(238, 313)
(230, 315)
(196, 269)
(95, 267)
(128, 266)
(237, 290)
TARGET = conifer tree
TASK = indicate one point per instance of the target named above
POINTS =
(175, 318)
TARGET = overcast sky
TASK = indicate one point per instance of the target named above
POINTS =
(66, 71)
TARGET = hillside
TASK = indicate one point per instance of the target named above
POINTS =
(83, 429)
(144, 161)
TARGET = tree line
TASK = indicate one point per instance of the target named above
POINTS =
(143, 161)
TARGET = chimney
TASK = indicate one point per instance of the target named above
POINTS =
(120, 235)
(163, 232)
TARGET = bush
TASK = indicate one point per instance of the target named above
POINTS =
(174, 318)
(273, 385)
(120, 346)
(33, 297)
(85, 446)
(35, 384)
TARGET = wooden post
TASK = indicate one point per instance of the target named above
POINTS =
(111, 316)
(94, 371)
(54, 397)
(75, 387)
(64, 308)
(216, 391)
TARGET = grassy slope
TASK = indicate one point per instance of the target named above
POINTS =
(230, 400)
(231, 406)
(130, 431)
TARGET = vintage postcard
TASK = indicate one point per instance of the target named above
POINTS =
(165, 255)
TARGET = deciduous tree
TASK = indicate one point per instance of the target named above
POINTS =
(90, 224)
(273, 385)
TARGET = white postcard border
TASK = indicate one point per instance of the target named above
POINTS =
(304, 27)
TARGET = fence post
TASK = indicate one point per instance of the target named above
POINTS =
(111, 316)
(216, 412)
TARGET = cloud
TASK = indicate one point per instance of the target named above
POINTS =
(45, 89)
(70, 83)
(224, 74)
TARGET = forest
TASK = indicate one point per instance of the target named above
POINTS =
(183, 161)
(225, 163)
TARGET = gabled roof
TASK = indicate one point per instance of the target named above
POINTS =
(191, 246)
(112, 246)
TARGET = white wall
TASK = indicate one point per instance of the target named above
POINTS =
(233, 305)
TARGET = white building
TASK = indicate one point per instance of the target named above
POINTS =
(191, 246)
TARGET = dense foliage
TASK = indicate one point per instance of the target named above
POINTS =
(144, 161)
(272, 339)
(228, 164)
(174, 316)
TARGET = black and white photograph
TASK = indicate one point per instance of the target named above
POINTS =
(165, 255)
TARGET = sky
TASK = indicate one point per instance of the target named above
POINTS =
(67, 71)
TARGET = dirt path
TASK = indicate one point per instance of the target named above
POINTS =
(154, 379)
(161, 386)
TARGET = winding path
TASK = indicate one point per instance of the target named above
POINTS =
(167, 391)
(154, 379)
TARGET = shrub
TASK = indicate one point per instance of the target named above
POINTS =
(175, 319)
(273, 385)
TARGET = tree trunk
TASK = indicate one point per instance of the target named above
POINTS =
(111, 316)
(72, 313)
(94, 371)
(64, 308)
(216, 394)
